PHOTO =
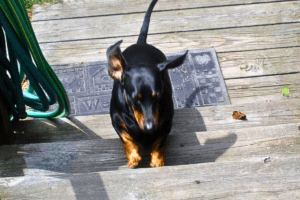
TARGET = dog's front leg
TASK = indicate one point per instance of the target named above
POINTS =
(131, 150)
(158, 154)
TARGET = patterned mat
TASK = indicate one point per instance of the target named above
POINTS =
(197, 83)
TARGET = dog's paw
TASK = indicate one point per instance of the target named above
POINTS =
(158, 164)
(157, 160)
(134, 160)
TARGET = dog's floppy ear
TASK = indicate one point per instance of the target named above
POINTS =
(116, 61)
(171, 64)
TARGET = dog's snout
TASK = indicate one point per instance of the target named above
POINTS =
(149, 125)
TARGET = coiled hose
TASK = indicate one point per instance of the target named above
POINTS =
(20, 55)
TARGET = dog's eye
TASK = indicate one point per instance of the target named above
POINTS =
(136, 100)
(131, 99)
(157, 95)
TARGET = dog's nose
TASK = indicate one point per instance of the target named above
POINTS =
(149, 126)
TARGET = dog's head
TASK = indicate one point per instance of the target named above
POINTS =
(142, 85)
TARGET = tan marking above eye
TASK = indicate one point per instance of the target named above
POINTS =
(139, 95)
(153, 94)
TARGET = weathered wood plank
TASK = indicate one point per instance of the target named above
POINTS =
(259, 62)
(266, 88)
(185, 120)
(164, 22)
(246, 179)
(258, 90)
(88, 8)
(227, 40)
(182, 148)
(226, 157)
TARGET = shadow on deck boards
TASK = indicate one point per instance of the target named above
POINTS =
(93, 154)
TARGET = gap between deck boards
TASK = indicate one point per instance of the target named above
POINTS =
(167, 22)
(46, 12)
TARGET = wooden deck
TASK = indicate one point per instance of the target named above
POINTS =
(209, 154)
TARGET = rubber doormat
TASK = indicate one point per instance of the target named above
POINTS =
(197, 83)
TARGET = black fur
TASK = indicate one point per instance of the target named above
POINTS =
(144, 73)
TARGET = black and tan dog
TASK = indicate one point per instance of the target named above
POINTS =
(141, 106)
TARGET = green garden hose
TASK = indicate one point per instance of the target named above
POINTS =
(21, 55)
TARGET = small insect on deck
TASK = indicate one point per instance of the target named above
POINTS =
(197, 83)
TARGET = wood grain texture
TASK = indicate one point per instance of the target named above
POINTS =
(185, 120)
(227, 40)
(88, 8)
(247, 178)
(260, 63)
(266, 88)
(234, 145)
(266, 182)
(171, 21)
(210, 155)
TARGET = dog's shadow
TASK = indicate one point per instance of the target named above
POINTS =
(79, 150)
(189, 141)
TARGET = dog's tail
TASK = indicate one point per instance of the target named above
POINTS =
(144, 30)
